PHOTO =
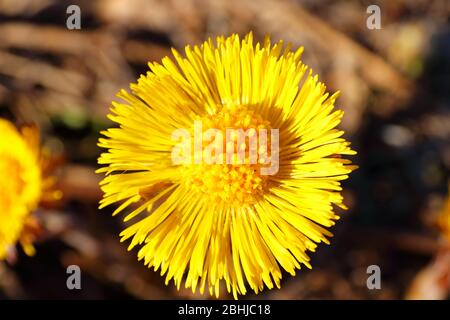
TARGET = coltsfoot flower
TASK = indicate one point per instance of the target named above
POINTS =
(230, 159)
(444, 217)
(23, 186)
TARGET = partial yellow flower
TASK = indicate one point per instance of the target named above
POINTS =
(204, 221)
(22, 186)
(444, 217)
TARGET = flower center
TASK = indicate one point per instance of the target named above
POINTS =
(235, 146)
(11, 186)
(20, 187)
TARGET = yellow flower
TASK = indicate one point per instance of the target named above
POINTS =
(203, 220)
(22, 186)
(444, 217)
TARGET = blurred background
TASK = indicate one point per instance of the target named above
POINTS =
(395, 85)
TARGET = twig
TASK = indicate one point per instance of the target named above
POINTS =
(80, 182)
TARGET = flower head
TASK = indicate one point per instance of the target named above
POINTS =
(231, 161)
(23, 186)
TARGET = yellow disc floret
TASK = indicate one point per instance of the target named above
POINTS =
(233, 174)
